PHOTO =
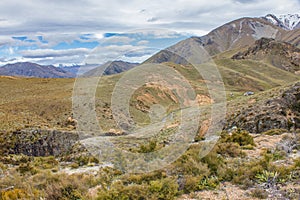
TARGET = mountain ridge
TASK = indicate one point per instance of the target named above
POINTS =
(109, 68)
(237, 34)
(287, 22)
(29, 69)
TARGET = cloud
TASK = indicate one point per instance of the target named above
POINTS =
(116, 39)
(44, 53)
(143, 42)
(103, 54)
(116, 25)
(152, 19)
(30, 17)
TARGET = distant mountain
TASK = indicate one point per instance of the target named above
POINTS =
(109, 68)
(280, 54)
(73, 69)
(287, 22)
(236, 34)
(79, 69)
(28, 69)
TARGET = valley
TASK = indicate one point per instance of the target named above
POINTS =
(238, 135)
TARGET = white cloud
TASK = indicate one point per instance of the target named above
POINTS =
(103, 54)
(143, 42)
(116, 39)
(65, 21)
(116, 16)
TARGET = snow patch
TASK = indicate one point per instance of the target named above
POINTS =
(288, 22)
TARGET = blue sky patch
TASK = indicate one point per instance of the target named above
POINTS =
(21, 38)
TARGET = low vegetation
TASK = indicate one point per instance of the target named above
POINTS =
(237, 158)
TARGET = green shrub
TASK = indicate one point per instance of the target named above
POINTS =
(164, 189)
(244, 173)
(191, 183)
(142, 178)
(190, 163)
(208, 183)
(70, 193)
(150, 147)
(239, 136)
(14, 194)
(120, 192)
(267, 176)
(26, 168)
(57, 191)
(214, 162)
(229, 149)
(274, 132)
(45, 162)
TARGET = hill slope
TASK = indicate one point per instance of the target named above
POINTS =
(279, 54)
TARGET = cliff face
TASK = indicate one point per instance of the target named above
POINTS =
(281, 112)
(38, 142)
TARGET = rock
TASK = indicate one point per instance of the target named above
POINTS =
(40, 142)
(114, 132)
(281, 112)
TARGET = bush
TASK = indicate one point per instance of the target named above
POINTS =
(56, 191)
(120, 192)
(190, 163)
(14, 194)
(208, 183)
(191, 183)
(239, 136)
(274, 132)
(229, 149)
(150, 147)
(45, 162)
(214, 162)
(142, 178)
(26, 168)
(164, 189)
(267, 177)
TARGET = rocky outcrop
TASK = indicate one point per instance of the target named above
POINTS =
(280, 54)
(282, 112)
(38, 142)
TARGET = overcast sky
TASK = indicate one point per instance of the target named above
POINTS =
(66, 32)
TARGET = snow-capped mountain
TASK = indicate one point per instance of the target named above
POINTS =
(288, 22)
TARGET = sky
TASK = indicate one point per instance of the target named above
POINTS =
(65, 32)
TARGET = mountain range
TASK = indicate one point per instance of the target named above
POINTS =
(29, 69)
(234, 36)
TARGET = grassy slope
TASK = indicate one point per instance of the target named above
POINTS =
(27, 102)
(33, 102)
